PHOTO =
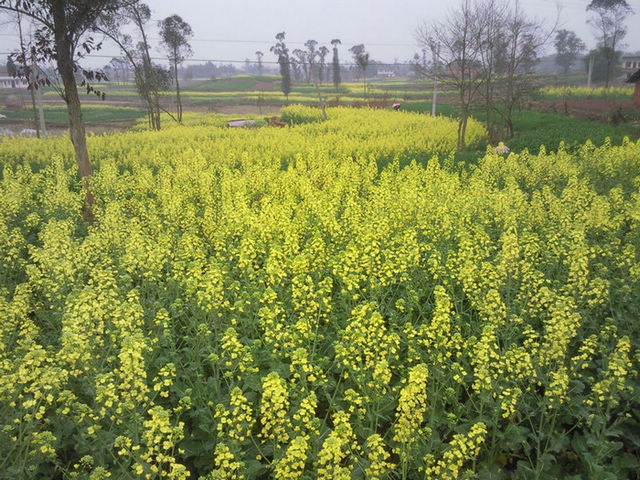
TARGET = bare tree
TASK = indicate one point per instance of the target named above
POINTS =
(492, 14)
(175, 34)
(523, 38)
(460, 37)
(489, 49)
(608, 21)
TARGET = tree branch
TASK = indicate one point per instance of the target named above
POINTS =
(46, 23)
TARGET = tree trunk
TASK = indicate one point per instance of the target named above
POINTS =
(64, 60)
(464, 112)
(364, 84)
(150, 70)
(175, 68)
(462, 128)
(322, 104)
(38, 99)
(32, 88)
(434, 99)
(488, 107)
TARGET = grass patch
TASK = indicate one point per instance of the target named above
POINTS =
(534, 129)
(240, 83)
(90, 113)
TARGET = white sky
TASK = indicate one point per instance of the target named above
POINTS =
(234, 29)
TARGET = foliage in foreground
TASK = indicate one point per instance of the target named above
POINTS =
(239, 312)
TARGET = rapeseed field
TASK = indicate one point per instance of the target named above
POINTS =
(337, 299)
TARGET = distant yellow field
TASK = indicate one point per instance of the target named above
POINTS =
(599, 92)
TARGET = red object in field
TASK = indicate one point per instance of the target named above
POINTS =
(396, 106)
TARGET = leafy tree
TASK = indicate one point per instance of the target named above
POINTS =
(601, 68)
(295, 68)
(568, 48)
(175, 34)
(336, 63)
(301, 62)
(361, 57)
(311, 57)
(149, 78)
(63, 35)
(608, 17)
(322, 55)
(282, 52)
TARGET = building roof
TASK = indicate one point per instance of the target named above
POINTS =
(635, 77)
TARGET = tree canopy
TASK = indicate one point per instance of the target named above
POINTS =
(282, 52)
(568, 48)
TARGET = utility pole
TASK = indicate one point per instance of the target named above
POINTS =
(591, 59)
(435, 52)
(38, 93)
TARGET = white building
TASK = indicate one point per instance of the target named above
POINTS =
(12, 82)
(386, 74)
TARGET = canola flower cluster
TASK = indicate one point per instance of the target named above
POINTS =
(310, 302)
(584, 92)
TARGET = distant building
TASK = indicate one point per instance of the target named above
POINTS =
(12, 82)
(386, 74)
(454, 69)
(629, 65)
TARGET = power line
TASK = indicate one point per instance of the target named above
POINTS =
(261, 42)
(214, 60)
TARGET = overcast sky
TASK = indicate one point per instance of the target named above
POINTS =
(233, 30)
